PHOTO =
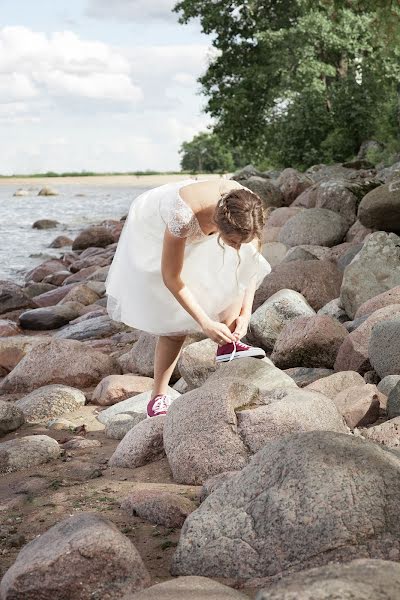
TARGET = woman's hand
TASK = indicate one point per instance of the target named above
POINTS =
(241, 326)
(218, 332)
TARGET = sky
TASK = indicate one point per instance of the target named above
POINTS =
(98, 85)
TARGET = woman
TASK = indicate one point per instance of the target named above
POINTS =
(172, 276)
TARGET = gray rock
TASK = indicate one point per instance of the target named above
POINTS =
(119, 425)
(375, 269)
(296, 412)
(281, 501)
(311, 341)
(188, 588)
(48, 191)
(388, 383)
(26, 452)
(51, 317)
(317, 226)
(380, 208)
(45, 224)
(96, 328)
(334, 310)
(266, 189)
(80, 558)
(362, 579)
(50, 401)
(384, 347)
(159, 507)
(304, 376)
(67, 361)
(197, 362)
(336, 195)
(195, 452)
(268, 320)
(211, 484)
(11, 417)
(393, 402)
(13, 297)
(387, 434)
(336, 383)
(141, 445)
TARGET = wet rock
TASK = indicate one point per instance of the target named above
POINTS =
(51, 317)
(93, 237)
(48, 267)
(13, 297)
(45, 224)
(48, 191)
(61, 241)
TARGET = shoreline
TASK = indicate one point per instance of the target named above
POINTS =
(135, 180)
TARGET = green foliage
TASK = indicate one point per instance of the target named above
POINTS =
(298, 82)
(206, 153)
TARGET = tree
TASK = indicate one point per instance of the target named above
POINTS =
(206, 154)
(299, 81)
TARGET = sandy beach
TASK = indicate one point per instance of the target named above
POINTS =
(114, 180)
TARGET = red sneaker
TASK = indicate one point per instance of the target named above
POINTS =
(159, 405)
(238, 349)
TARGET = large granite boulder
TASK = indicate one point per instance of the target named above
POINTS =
(380, 208)
(361, 579)
(318, 281)
(317, 226)
(375, 269)
(303, 501)
(80, 558)
(59, 361)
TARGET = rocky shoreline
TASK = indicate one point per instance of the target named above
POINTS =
(269, 479)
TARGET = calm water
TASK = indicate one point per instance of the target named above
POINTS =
(22, 248)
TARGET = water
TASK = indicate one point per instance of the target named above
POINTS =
(22, 248)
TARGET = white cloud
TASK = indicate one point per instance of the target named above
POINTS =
(113, 108)
(135, 10)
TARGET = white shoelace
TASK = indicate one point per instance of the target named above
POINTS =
(234, 350)
(163, 403)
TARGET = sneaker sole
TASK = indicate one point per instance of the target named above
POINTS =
(226, 358)
(159, 415)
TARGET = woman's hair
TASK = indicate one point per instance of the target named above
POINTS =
(240, 212)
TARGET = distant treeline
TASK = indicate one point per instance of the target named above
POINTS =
(92, 173)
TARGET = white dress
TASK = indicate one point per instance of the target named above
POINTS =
(136, 293)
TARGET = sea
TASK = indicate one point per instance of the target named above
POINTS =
(76, 207)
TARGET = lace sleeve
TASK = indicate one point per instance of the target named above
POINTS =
(180, 219)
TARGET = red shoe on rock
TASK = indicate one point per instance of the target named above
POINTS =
(159, 405)
(238, 349)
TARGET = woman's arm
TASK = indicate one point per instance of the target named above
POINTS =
(248, 299)
(171, 268)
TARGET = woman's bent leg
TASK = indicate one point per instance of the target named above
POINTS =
(166, 356)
